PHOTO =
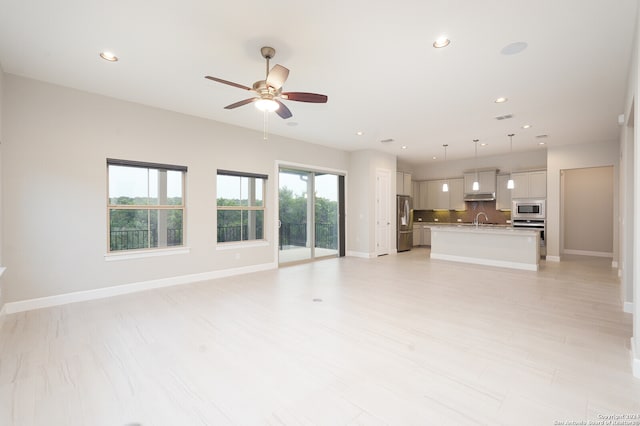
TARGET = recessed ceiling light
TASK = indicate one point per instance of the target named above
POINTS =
(359, 133)
(542, 143)
(441, 41)
(404, 147)
(500, 100)
(484, 144)
(526, 126)
(108, 56)
(434, 157)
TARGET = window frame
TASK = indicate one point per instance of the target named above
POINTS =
(240, 208)
(148, 207)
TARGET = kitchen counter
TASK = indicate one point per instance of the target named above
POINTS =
(501, 225)
(492, 245)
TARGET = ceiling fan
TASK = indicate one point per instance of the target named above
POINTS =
(269, 91)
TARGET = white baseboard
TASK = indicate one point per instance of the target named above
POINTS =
(589, 253)
(117, 290)
(635, 361)
(486, 262)
(360, 254)
(628, 307)
(552, 258)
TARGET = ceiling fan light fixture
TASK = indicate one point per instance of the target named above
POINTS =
(268, 105)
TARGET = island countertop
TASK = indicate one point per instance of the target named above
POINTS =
(496, 229)
(487, 245)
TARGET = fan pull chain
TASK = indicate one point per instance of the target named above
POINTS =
(266, 126)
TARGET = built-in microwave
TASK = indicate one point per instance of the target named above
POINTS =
(528, 209)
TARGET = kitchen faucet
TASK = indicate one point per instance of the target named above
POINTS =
(477, 221)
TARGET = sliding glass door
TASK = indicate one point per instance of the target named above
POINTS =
(309, 215)
(326, 215)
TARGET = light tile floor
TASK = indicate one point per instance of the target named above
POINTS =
(398, 340)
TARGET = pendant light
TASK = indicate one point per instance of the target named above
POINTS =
(476, 184)
(445, 185)
(510, 184)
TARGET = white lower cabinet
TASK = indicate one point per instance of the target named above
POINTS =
(426, 236)
(421, 235)
(417, 235)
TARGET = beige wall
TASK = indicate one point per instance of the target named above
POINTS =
(631, 212)
(518, 161)
(361, 188)
(569, 157)
(55, 142)
(588, 210)
(1, 209)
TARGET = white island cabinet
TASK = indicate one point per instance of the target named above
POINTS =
(484, 245)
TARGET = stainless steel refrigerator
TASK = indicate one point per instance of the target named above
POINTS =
(404, 222)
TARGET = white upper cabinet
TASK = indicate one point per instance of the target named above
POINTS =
(456, 194)
(503, 194)
(403, 183)
(424, 195)
(529, 184)
(415, 194)
(538, 184)
(407, 184)
(432, 195)
(436, 199)
(486, 179)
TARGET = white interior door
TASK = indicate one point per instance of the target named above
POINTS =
(383, 212)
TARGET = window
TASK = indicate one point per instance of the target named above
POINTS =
(145, 206)
(240, 206)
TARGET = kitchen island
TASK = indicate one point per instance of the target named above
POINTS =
(487, 245)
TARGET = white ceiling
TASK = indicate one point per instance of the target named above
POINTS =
(374, 59)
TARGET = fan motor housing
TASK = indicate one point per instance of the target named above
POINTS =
(264, 90)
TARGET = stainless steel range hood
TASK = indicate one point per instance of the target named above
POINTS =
(480, 196)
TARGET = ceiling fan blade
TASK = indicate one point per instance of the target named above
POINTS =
(282, 110)
(230, 83)
(305, 97)
(277, 76)
(240, 103)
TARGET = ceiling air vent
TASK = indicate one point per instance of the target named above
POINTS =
(387, 140)
(504, 117)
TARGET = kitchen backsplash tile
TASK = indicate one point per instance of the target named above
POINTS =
(473, 208)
